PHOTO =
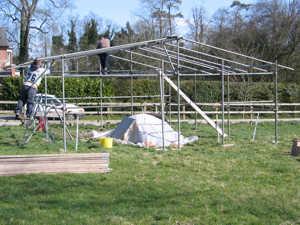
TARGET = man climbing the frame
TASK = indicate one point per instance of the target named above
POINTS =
(32, 81)
(104, 57)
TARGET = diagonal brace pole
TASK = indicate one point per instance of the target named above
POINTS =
(189, 101)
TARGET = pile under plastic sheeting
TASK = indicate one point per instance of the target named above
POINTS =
(146, 131)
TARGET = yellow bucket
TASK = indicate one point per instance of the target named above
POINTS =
(106, 142)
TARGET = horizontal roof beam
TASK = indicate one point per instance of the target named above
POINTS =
(239, 54)
(103, 50)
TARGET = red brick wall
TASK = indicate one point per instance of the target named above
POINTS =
(3, 57)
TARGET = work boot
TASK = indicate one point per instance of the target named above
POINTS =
(18, 116)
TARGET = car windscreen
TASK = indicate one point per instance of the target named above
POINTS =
(50, 100)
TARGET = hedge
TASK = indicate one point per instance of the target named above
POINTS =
(206, 91)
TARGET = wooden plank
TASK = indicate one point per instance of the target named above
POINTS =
(54, 163)
(14, 173)
(64, 155)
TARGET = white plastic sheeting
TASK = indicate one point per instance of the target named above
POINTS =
(146, 131)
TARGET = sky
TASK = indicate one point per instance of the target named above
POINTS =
(121, 11)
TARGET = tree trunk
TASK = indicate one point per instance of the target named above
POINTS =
(23, 54)
(26, 15)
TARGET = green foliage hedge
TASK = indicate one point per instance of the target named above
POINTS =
(206, 91)
(74, 87)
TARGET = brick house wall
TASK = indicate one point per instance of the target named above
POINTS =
(5, 57)
(5, 51)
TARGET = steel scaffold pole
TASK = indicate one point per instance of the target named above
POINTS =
(45, 117)
(228, 106)
(131, 83)
(178, 95)
(64, 102)
(223, 114)
(195, 94)
(162, 102)
(276, 102)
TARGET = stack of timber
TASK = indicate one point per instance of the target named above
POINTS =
(11, 165)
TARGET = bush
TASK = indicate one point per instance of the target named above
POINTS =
(206, 91)
(10, 88)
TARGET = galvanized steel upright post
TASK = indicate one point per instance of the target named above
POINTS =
(101, 99)
(195, 94)
(45, 117)
(223, 114)
(276, 102)
(131, 83)
(64, 102)
(77, 132)
(178, 95)
(162, 103)
(228, 106)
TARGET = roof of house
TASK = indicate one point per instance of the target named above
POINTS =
(3, 38)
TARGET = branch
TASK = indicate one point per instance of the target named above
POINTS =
(10, 35)
(32, 8)
(10, 15)
(39, 29)
(14, 5)
(25, 4)
(53, 3)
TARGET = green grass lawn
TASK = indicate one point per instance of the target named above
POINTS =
(204, 183)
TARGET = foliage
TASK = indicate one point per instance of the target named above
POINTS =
(89, 39)
(72, 42)
(74, 87)
(77, 87)
(206, 91)
(268, 29)
(11, 88)
(58, 46)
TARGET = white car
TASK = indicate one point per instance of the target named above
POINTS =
(55, 106)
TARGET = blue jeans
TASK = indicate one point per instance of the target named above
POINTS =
(27, 97)
(104, 60)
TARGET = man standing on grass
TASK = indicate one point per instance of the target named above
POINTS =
(32, 81)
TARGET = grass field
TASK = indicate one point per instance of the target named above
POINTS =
(204, 183)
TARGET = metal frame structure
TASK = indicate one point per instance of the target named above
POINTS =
(169, 58)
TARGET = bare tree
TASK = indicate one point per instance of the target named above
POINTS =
(29, 16)
(160, 15)
(198, 24)
(173, 5)
(279, 22)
